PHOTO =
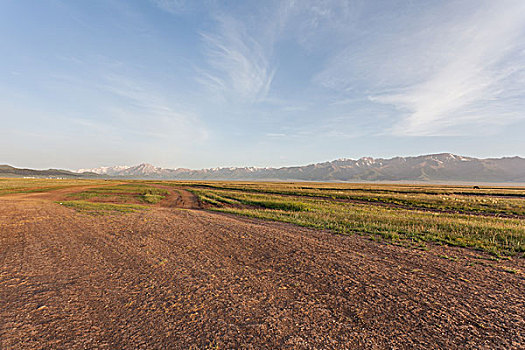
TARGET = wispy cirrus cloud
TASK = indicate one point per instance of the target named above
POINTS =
(239, 62)
(475, 86)
(447, 75)
(241, 49)
(441, 68)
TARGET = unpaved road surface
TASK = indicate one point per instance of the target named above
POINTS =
(172, 278)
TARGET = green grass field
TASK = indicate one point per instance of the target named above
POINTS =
(489, 219)
(123, 193)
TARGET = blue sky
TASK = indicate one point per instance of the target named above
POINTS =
(258, 83)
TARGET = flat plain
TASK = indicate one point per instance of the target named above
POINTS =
(165, 264)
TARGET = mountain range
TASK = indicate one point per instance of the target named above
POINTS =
(426, 168)
(9, 171)
(433, 167)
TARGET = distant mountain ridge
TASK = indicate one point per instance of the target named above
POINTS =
(9, 171)
(426, 168)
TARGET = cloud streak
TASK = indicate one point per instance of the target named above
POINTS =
(222, 81)
(443, 77)
(474, 76)
(241, 49)
(239, 63)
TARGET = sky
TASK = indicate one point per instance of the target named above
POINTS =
(200, 84)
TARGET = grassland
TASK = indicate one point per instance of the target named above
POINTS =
(157, 269)
(505, 202)
(94, 196)
(490, 219)
(123, 193)
(19, 185)
(119, 198)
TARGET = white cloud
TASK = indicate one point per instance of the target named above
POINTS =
(239, 63)
(454, 71)
(476, 74)
(240, 51)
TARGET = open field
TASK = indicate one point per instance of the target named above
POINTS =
(145, 264)
(18, 185)
(484, 219)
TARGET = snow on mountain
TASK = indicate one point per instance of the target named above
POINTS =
(432, 167)
(104, 170)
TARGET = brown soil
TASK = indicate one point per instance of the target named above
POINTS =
(53, 195)
(179, 198)
(179, 279)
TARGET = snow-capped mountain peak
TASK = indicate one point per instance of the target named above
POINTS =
(431, 167)
(104, 170)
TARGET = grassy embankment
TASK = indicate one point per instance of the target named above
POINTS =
(488, 219)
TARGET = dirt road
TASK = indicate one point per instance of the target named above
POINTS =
(171, 278)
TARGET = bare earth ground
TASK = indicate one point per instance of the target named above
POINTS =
(174, 278)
